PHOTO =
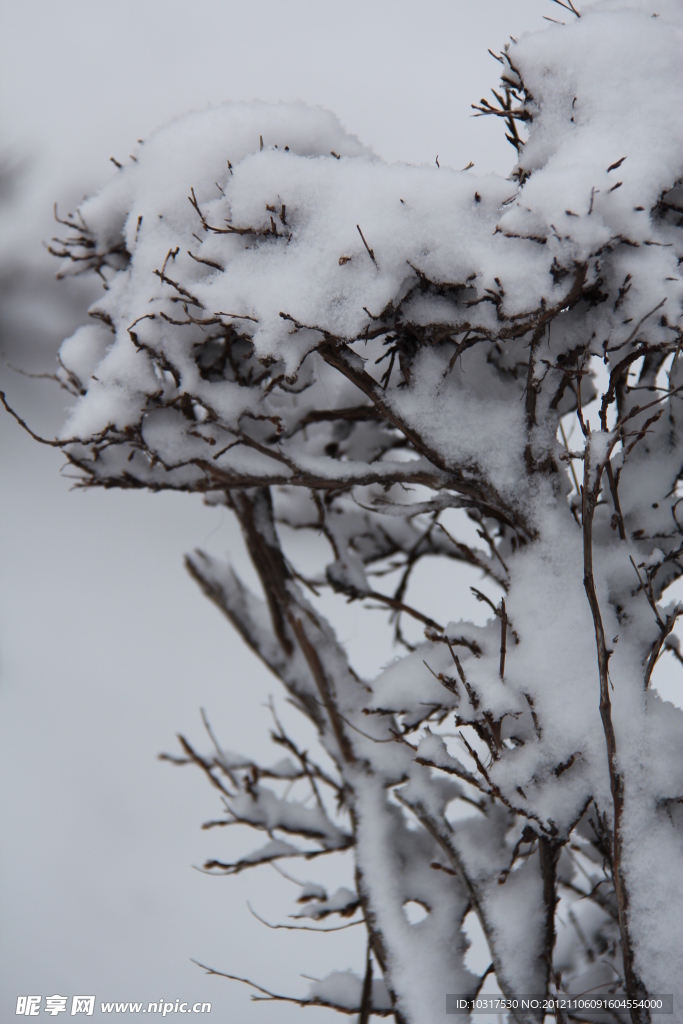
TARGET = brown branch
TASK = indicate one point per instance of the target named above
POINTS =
(342, 359)
(366, 996)
(503, 636)
(269, 996)
(201, 762)
(549, 853)
(301, 927)
(370, 252)
(591, 491)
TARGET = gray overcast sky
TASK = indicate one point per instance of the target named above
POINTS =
(106, 647)
(80, 80)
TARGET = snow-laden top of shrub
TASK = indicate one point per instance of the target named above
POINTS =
(295, 238)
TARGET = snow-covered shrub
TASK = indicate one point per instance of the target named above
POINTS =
(393, 357)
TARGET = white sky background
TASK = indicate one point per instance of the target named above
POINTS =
(82, 79)
(107, 649)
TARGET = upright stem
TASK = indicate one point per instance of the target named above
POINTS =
(296, 623)
(549, 853)
(634, 986)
